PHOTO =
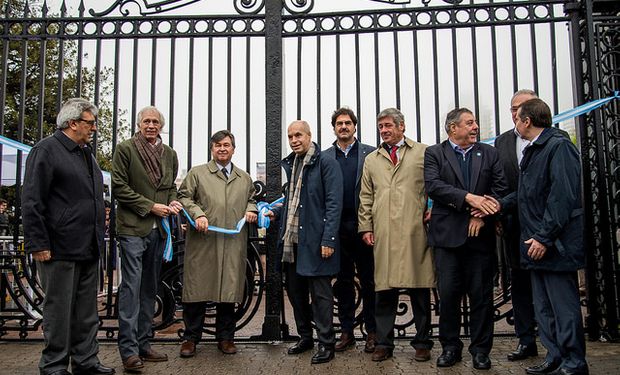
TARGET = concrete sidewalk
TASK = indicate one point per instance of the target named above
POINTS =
(17, 358)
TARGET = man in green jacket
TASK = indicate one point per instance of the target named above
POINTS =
(143, 174)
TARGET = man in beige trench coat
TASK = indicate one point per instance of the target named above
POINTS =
(391, 213)
(217, 193)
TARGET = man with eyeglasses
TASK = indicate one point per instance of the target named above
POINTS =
(355, 255)
(63, 217)
(144, 170)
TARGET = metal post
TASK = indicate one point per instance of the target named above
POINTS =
(273, 328)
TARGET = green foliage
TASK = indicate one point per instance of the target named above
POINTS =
(56, 65)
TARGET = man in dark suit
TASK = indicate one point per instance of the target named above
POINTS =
(354, 253)
(510, 147)
(460, 174)
(63, 215)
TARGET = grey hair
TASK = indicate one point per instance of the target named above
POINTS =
(394, 113)
(454, 117)
(524, 92)
(72, 110)
(150, 108)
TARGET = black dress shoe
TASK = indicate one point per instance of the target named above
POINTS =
(523, 352)
(97, 369)
(481, 361)
(323, 355)
(565, 371)
(543, 368)
(301, 346)
(448, 358)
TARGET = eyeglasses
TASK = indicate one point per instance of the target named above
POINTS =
(89, 122)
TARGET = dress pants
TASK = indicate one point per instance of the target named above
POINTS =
(70, 319)
(141, 259)
(194, 319)
(558, 313)
(386, 306)
(523, 306)
(355, 254)
(465, 271)
(321, 311)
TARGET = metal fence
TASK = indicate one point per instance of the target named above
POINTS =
(268, 62)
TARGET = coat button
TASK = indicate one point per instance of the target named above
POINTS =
(300, 227)
(301, 206)
(333, 238)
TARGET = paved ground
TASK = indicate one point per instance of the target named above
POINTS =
(271, 358)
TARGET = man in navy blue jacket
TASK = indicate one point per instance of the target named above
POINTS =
(355, 255)
(551, 216)
(64, 217)
(308, 237)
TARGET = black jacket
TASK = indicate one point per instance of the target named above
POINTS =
(444, 185)
(62, 202)
(549, 201)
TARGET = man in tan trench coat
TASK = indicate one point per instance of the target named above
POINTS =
(391, 212)
(217, 193)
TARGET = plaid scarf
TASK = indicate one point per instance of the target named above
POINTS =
(292, 216)
(150, 155)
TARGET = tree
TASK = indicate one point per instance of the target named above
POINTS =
(33, 127)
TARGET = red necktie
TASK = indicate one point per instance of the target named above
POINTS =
(393, 155)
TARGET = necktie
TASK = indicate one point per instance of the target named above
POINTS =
(225, 172)
(393, 155)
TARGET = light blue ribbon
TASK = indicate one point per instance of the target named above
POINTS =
(263, 222)
(263, 207)
(571, 113)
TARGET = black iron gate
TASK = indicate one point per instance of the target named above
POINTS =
(267, 62)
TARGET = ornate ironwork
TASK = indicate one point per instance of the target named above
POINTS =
(424, 18)
(249, 6)
(145, 7)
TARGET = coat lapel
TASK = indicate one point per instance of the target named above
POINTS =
(451, 157)
(476, 164)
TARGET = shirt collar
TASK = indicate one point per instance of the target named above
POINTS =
(228, 167)
(458, 148)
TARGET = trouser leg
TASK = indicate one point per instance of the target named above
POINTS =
(85, 319)
(151, 267)
(386, 302)
(225, 321)
(323, 308)
(344, 288)
(365, 264)
(421, 306)
(449, 285)
(480, 268)
(298, 296)
(194, 318)
(132, 251)
(523, 306)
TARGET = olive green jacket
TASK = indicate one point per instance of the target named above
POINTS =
(134, 191)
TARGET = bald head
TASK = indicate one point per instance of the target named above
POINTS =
(299, 136)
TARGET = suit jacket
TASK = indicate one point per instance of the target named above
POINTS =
(362, 151)
(62, 202)
(444, 184)
(134, 191)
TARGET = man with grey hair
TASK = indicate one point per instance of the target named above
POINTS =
(460, 175)
(63, 217)
(143, 182)
(391, 218)
(510, 146)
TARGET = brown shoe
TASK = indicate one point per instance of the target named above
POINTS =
(347, 341)
(371, 342)
(153, 356)
(227, 347)
(188, 349)
(133, 363)
(422, 355)
(381, 354)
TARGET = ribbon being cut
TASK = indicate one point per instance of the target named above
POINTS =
(263, 222)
